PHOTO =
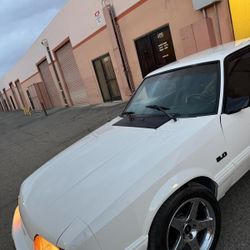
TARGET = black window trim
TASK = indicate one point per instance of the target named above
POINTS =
(234, 55)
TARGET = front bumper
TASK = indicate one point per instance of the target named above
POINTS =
(23, 242)
(77, 235)
(21, 238)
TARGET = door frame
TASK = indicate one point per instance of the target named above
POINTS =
(239, 159)
(93, 63)
(149, 34)
(233, 54)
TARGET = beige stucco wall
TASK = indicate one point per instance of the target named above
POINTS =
(224, 20)
(176, 13)
(85, 54)
(30, 81)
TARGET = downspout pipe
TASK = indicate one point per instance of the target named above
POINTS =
(121, 47)
(218, 22)
(204, 12)
(57, 78)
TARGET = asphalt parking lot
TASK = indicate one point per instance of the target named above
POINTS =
(28, 142)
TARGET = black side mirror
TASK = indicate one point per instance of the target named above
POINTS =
(234, 105)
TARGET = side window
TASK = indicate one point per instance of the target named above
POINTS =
(237, 82)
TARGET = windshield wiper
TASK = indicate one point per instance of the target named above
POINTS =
(163, 110)
(128, 113)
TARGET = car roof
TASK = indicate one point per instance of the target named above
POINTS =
(213, 54)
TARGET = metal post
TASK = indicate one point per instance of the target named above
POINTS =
(44, 109)
(46, 44)
(204, 11)
(122, 50)
(118, 41)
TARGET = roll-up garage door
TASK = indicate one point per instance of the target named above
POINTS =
(71, 74)
(21, 93)
(49, 84)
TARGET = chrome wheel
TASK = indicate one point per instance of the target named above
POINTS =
(192, 226)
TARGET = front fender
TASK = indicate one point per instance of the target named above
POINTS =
(168, 188)
(78, 236)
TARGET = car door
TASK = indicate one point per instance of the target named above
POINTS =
(236, 117)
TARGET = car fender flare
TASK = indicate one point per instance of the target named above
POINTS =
(169, 188)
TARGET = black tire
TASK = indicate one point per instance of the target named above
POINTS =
(158, 235)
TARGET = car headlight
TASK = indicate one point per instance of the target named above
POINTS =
(17, 221)
(41, 244)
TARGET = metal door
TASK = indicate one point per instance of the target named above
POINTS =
(1, 106)
(38, 95)
(49, 83)
(107, 79)
(7, 99)
(12, 101)
(2, 102)
(16, 100)
(30, 99)
(21, 93)
(6, 105)
(155, 50)
(71, 74)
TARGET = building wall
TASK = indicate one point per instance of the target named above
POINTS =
(84, 54)
(135, 18)
(143, 20)
(28, 82)
(224, 20)
(9, 94)
(16, 96)
(70, 22)
(90, 50)
(138, 21)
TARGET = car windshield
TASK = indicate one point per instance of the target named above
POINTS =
(184, 92)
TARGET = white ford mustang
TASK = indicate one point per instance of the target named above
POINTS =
(151, 178)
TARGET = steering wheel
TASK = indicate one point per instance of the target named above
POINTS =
(197, 97)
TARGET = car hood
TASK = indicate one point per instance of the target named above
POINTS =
(89, 177)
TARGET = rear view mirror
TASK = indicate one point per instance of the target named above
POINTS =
(234, 105)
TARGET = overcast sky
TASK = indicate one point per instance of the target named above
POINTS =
(21, 22)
